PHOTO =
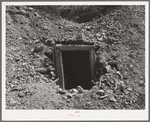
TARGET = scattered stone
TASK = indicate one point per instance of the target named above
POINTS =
(102, 97)
(74, 91)
(80, 37)
(98, 35)
(37, 56)
(29, 79)
(113, 99)
(121, 87)
(129, 89)
(126, 92)
(52, 73)
(64, 97)
(50, 68)
(95, 88)
(69, 95)
(56, 80)
(141, 83)
(18, 88)
(45, 27)
(50, 42)
(88, 28)
(109, 91)
(100, 92)
(30, 8)
(108, 68)
(60, 27)
(41, 70)
(36, 14)
(53, 78)
(12, 85)
(93, 83)
(45, 79)
(80, 89)
(21, 94)
(61, 91)
(17, 59)
(88, 104)
(38, 48)
(141, 78)
(49, 53)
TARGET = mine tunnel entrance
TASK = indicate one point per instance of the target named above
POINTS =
(77, 70)
(75, 65)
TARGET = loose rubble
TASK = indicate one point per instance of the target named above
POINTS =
(31, 81)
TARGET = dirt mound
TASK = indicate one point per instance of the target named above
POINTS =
(31, 83)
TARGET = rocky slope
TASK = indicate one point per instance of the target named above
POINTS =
(119, 39)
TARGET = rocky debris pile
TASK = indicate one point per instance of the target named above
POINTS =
(31, 82)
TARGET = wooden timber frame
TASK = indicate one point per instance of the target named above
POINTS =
(58, 48)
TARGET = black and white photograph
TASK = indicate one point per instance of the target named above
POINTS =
(75, 58)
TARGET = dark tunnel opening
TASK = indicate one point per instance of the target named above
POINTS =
(77, 71)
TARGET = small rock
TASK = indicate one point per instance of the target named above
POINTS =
(50, 42)
(74, 94)
(45, 27)
(141, 83)
(52, 73)
(88, 104)
(88, 28)
(109, 91)
(100, 92)
(121, 87)
(48, 53)
(80, 37)
(56, 80)
(95, 88)
(80, 89)
(141, 78)
(50, 68)
(17, 59)
(12, 85)
(18, 88)
(74, 91)
(129, 89)
(69, 95)
(53, 43)
(41, 70)
(126, 103)
(65, 97)
(21, 94)
(53, 78)
(102, 97)
(60, 27)
(36, 14)
(98, 35)
(108, 68)
(126, 92)
(45, 79)
(60, 91)
(37, 56)
(30, 8)
(38, 48)
(93, 83)
(113, 99)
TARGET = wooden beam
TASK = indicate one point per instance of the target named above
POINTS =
(74, 47)
(92, 63)
(59, 68)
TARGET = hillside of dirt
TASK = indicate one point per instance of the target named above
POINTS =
(118, 35)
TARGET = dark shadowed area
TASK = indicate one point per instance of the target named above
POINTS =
(76, 69)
